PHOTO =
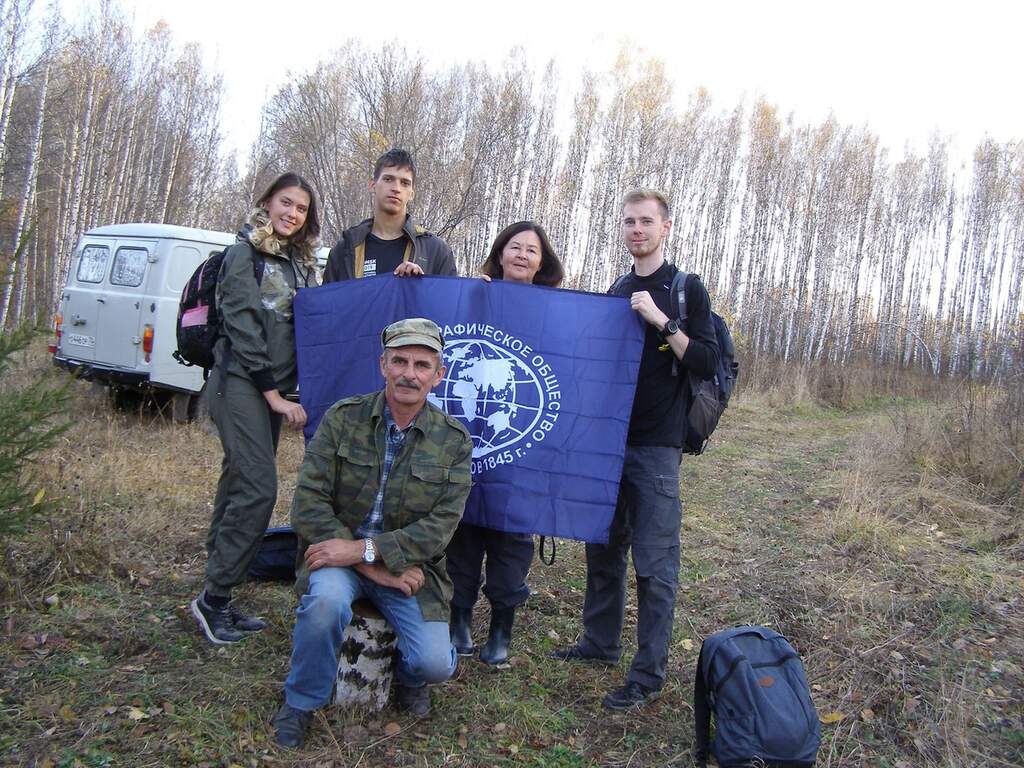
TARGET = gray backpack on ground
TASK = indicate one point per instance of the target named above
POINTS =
(753, 682)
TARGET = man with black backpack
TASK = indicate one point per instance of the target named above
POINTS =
(648, 514)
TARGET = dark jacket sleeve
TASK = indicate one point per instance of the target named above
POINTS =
(446, 260)
(702, 353)
(242, 317)
(333, 272)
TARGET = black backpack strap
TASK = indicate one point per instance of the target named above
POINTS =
(678, 290)
(554, 550)
(701, 715)
(619, 281)
(677, 296)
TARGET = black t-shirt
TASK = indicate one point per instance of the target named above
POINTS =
(662, 399)
(383, 256)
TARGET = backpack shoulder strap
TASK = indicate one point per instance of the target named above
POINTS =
(619, 282)
(701, 715)
(678, 290)
(259, 264)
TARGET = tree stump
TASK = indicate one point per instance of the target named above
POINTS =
(366, 663)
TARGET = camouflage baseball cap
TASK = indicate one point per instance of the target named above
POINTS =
(413, 331)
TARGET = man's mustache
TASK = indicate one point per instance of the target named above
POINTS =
(407, 383)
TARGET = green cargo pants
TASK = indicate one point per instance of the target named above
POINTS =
(247, 489)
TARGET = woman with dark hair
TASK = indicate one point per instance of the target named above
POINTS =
(273, 256)
(521, 253)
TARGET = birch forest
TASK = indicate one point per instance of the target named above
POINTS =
(816, 242)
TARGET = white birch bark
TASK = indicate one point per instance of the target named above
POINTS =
(28, 190)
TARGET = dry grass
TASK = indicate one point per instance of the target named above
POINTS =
(929, 517)
(897, 579)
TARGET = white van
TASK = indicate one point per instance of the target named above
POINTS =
(116, 316)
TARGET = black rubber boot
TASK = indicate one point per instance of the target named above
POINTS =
(495, 650)
(460, 628)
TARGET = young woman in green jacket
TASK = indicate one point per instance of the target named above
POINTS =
(274, 256)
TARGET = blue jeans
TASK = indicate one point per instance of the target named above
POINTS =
(426, 654)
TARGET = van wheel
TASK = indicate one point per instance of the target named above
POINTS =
(189, 407)
(181, 403)
(124, 399)
(199, 410)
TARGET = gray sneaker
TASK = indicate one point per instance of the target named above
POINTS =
(216, 623)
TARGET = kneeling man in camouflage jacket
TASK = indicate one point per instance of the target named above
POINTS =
(382, 487)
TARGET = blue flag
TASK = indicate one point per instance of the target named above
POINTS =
(542, 378)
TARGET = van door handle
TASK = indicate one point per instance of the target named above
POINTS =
(101, 300)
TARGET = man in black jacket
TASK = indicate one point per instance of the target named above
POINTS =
(648, 513)
(390, 241)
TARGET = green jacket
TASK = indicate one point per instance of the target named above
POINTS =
(258, 326)
(423, 502)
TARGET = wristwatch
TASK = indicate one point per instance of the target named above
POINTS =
(369, 551)
(670, 327)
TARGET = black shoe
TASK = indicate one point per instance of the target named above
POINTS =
(244, 623)
(290, 726)
(575, 653)
(459, 626)
(630, 696)
(495, 650)
(416, 701)
(216, 623)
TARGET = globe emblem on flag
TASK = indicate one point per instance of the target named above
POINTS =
(491, 391)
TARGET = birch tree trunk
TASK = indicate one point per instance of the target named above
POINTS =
(27, 194)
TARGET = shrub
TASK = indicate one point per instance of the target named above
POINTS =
(30, 423)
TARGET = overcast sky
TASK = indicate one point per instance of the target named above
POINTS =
(905, 69)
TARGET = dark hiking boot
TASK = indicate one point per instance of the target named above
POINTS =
(460, 626)
(495, 650)
(245, 623)
(575, 653)
(290, 725)
(630, 696)
(216, 623)
(415, 701)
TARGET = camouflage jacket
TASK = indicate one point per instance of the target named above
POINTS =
(423, 502)
(258, 326)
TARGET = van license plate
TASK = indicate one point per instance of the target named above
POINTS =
(79, 340)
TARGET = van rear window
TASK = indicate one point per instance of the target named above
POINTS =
(92, 264)
(129, 267)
